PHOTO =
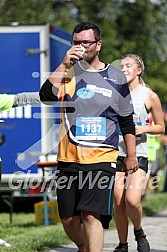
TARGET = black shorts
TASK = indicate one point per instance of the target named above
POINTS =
(142, 162)
(80, 188)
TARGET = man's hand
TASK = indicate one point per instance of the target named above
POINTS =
(74, 53)
(130, 164)
(140, 129)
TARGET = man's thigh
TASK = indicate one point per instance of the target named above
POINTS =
(67, 194)
(96, 192)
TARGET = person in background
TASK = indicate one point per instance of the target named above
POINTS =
(163, 139)
(94, 98)
(8, 101)
(129, 186)
(154, 148)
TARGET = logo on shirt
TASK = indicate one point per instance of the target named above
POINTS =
(106, 78)
(103, 91)
(85, 93)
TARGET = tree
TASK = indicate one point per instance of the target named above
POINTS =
(141, 30)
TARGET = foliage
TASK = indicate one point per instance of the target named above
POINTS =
(141, 30)
(127, 27)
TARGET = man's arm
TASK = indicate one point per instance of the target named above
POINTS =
(128, 131)
(130, 162)
(49, 90)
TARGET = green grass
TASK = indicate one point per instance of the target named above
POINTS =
(25, 236)
(154, 203)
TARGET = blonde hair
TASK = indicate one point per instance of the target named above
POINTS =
(140, 64)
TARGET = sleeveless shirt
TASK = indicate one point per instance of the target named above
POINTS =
(140, 118)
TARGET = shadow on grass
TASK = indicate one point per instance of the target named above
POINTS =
(148, 211)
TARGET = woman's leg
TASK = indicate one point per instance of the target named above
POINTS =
(134, 207)
(133, 197)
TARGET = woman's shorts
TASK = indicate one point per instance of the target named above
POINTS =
(79, 188)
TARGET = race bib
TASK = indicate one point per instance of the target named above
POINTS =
(90, 128)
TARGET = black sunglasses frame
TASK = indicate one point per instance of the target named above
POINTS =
(79, 42)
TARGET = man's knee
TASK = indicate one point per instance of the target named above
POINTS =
(71, 221)
(89, 217)
(66, 221)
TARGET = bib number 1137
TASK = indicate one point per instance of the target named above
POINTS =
(91, 128)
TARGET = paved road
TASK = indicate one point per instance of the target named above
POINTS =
(155, 228)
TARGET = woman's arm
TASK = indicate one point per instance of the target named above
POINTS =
(153, 106)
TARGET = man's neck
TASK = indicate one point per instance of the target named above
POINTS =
(98, 65)
(95, 65)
